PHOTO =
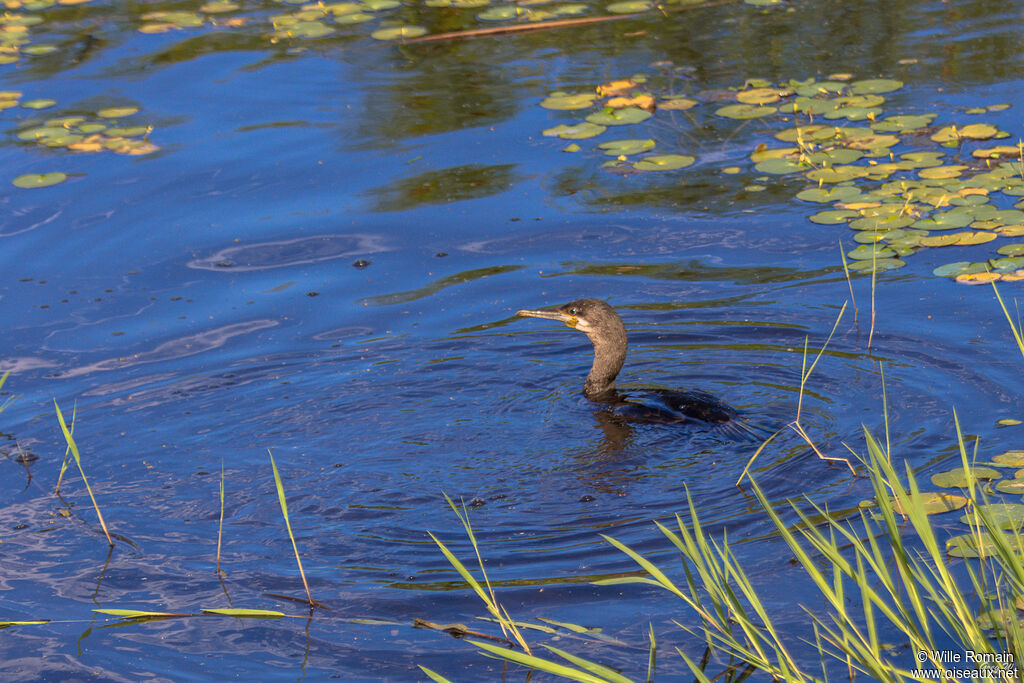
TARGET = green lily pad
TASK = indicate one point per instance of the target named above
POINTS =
(958, 477)
(504, 13)
(878, 265)
(953, 269)
(664, 162)
(1009, 422)
(619, 117)
(1003, 515)
(833, 216)
(780, 166)
(616, 148)
(902, 123)
(1010, 486)
(34, 180)
(576, 132)
(630, 6)
(1010, 459)
(973, 131)
(566, 101)
(866, 252)
(116, 112)
(968, 545)
(399, 32)
(677, 103)
(837, 174)
(354, 18)
(38, 104)
(875, 85)
(745, 111)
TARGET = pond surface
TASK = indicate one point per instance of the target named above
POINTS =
(317, 244)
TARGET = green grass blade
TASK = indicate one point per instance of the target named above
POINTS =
(288, 524)
(434, 676)
(78, 461)
(540, 663)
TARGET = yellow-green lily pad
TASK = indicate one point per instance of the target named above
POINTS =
(1010, 459)
(958, 477)
(399, 32)
(616, 148)
(576, 132)
(567, 101)
(610, 116)
(664, 162)
(878, 265)
(1003, 515)
(745, 111)
(34, 180)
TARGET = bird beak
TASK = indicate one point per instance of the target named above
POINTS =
(569, 320)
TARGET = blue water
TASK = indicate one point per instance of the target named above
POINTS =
(324, 259)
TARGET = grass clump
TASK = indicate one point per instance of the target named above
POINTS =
(883, 576)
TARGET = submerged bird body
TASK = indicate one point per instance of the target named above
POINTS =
(602, 324)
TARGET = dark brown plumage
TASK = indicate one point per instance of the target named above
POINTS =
(602, 324)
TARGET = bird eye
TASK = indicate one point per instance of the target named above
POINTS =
(572, 311)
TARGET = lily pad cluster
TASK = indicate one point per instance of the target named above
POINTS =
(16, 27)
(950, 189)
(209, 14)
(1008, 515)
(619, 103)
(108, 130)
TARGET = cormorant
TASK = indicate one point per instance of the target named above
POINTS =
(602, 324)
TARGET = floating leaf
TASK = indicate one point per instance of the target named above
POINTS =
(833, 216)
(566, 101)
(878, 265)
(958, 476)
(977, 278)
(1011, 151)
(870, 251)
(975, 131)
(1010, 459)
(971, 545)
(952, 269)
(618, 87)
(630, 6)
(677, 103)
(619, 117)
(38, 104)
(396, 32)
(576, 132)
(625, 147)
(904, 122)
(875, 85)
(745, 111)
(1010, 486)
(1003, 515)
(34, 180)
(664, 162)
(1008, 422)
(116, 112)
(642, 101)
(762, 95)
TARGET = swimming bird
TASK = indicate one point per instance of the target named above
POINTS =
(602, 324)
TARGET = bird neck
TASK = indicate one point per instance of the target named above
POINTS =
(609, 355)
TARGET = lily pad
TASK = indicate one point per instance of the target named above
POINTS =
(833, 216)
(677, 103)
(566, 101)
(626, 147)
(664, 162)
(958, 477)
(619, 117)
(875, 85)
(34, 180)
(399, 32)
(576, 132)
(630, 6)
(1010, 459)
(745, 111)
(1003, 515)
(878, 265)
(977, 278)
(952, 269)
(971, 545)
